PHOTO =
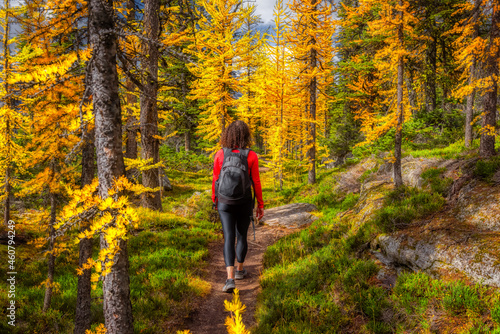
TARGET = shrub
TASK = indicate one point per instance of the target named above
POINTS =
(404, 205)
(495, 312)
(461, 297)
(433, 177)
(485, 169)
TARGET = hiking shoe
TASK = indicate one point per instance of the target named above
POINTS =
(229, 286)
(240, 274)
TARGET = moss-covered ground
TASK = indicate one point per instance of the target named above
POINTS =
(323, 279)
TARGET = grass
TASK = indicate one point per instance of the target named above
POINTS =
(313, 284)
(319, 280)
(433, 177)
(485, 169)
(403, 206)
(166, 254)
(424, 302)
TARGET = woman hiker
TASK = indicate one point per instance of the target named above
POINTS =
(236, 170)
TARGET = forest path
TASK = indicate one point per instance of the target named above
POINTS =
(209, 317)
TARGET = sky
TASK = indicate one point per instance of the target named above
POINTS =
(265, 10)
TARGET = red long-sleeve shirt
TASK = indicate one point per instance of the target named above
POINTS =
(253, 166)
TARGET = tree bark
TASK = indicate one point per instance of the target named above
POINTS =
(469, 109)
(487, 145)
(132, 123)
(412, 94)
(149, 112)
(398, 177)
(8, 189)
(187, 134)
(430, 86)
(116, 285)
(83, 318)
(187, 140)
(312, 113)
(52, 258)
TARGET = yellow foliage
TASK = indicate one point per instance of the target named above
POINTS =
(56, 287)
(234, 323)
(99, 330)
(374, 89)
(219, 55)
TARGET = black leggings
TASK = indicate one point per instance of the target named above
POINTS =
(235, 218)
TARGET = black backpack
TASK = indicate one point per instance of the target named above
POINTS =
(234, 185)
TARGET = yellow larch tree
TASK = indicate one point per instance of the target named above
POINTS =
(311, 40)
(468, 47)
(11, 121)
(279, 94)
(393, 26)
(250, 71)
(218, 51)
(50, 76)
(474, 50)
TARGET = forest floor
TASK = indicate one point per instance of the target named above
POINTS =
(210, 315)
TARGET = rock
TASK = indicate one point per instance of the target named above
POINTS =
(193, 204)
(370, 200)
(349, 181)
(290, 216)
(496, 177)
(442, 254)
(164, 181)
(478, 205)
(412, 169)
(462, 240)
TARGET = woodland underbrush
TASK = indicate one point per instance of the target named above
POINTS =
(324, 278)
(166, 253)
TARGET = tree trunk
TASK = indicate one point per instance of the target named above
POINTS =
(430, 87)
(469, 109)
(312, 114)
(131, 126)
(187, 134)
(398, 177)
(149, 112)
(487, 146)
(187, 140)
(52, 258)
(83, 318)
(412, 94)
(116, 285)
(6, 212)
(8, 189)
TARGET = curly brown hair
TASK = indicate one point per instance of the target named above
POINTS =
(237, 134)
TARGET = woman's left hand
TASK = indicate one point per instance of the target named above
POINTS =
(260, 213)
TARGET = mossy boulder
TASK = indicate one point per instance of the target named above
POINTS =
(462, 240)
(292, 216)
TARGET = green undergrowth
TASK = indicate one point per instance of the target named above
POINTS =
(425, 304)
(485, 169)
(403, 206)
(455, 150)
(434, 179)
(322, 194)
(323, 280)
(312, 283)
(166, 255)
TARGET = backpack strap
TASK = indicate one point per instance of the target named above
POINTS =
(226, 152)
(245, 152)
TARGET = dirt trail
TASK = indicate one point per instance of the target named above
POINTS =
(209, 317)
